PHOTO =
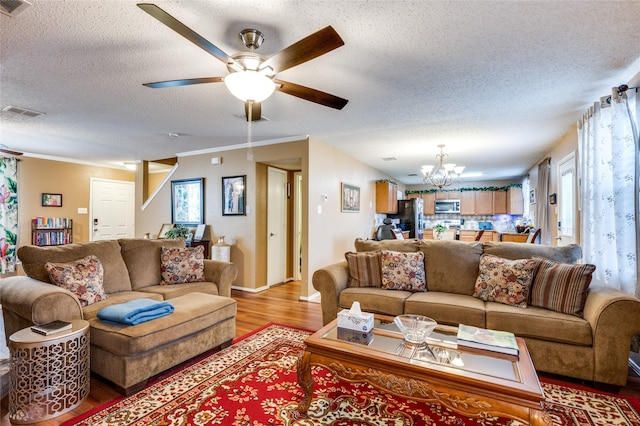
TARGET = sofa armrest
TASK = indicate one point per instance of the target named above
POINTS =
(222, 273)
(615, 318)
(330, 281)
(26, 301)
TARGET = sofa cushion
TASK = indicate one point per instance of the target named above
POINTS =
(180, 265)
(173, 291)
(505, 281)
(451, 266)
(561, 287)
(83, 277)
(142, 258)
(539, 323)
(402, 271)
(193, 312)
(564, 254)
(447, 308)
(375, 300)
(116, 275)
(393, 245)
(364, 269)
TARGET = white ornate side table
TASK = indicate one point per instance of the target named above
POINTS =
(49, 375)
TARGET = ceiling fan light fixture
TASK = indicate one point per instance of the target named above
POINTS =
(249, 85)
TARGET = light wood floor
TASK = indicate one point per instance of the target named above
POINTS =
(279, 304)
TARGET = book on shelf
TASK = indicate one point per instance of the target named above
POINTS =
(51, 327)
(490, 340)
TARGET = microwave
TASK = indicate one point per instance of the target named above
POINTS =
(447, 206)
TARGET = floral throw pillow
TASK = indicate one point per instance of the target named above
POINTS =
(505, 281)
(83, 277)
(179, 265)
(403, 271)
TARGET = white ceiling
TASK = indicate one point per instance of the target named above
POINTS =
(498, 82)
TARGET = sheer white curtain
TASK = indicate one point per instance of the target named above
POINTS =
(608, 151)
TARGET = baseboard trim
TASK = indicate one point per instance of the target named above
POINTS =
(250, 290)
(314, 298)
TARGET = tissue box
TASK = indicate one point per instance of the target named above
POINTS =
(355, 336)
(361, 322)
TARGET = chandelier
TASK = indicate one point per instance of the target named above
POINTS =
(442, 174)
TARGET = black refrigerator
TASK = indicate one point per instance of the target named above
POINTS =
(410, 215)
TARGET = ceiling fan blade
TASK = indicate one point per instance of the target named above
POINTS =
(256, 111)
(183, 82)
(10, 152)
(310, 94)
(185, 31)
(304, 50)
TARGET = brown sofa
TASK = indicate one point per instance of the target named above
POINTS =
(204, 316)
(595, 347)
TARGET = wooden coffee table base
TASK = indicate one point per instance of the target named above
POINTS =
(478, 405)
(417, 384)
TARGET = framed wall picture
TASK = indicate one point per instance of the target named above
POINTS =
(234, 195)
(187, 202)
(532, 196)
(553, 199)
(163, 230)
(350, 198)
(51, 200)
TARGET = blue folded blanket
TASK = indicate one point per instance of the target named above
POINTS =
(135, 311)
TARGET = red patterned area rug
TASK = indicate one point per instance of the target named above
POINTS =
(254, 383)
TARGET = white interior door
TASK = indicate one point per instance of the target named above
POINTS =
(297, 226)
(567, 201)
(112, 209)
(277, 227)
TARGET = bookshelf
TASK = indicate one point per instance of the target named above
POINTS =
(51, 231)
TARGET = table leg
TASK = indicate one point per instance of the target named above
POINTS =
(305, 381)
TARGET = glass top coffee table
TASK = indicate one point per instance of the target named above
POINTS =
(468, 381)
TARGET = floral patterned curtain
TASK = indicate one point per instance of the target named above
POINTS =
(608, 151)
(8, 214)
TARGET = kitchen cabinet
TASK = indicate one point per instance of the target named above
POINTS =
(467, 202)
(429, 202)
(499, 202)
(484, 202)
(515, 238)
(469, 235)
(386, 198)
(447, 195)
(515, 202)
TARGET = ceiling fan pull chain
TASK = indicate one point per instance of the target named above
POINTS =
(249, 120)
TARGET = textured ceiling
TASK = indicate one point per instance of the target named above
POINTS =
(498, 82)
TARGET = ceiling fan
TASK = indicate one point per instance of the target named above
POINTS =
(5, 150)
(256, 67)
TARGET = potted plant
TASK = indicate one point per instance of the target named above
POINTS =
(177, 232)
(439, 228)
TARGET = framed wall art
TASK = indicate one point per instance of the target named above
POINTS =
(187, 202)
(234, 195)
(350, 198)
(532, 196)
(51, 200)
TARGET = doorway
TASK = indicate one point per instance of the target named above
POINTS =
(567, 201)
(112, 214)
(276, 226)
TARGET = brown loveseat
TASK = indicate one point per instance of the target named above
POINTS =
(204, 316)
(594, 347)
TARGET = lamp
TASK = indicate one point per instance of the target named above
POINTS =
(442, 174)
(249, 85)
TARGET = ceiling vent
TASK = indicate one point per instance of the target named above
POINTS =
(22, 111)
(13, 7)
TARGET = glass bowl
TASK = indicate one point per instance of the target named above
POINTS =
(415, 328)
